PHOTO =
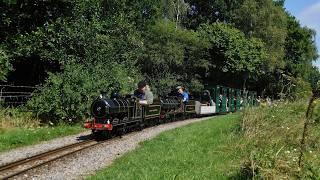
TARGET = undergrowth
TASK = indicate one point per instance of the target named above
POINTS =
(21, 128)
(17, 118)
(271, 142)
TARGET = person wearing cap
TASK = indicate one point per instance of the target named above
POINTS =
(183, 93)
(143, 93)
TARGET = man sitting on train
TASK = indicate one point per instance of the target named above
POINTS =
(144, 93)
(183, 94)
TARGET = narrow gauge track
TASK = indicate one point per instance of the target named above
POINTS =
(20, 166)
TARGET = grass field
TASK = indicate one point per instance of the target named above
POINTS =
(198, 151)
(17, 137)
(20, 128)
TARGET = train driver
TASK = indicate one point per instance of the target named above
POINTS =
(144, 93)
(183, 93)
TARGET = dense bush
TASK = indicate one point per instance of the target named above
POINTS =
(67, 96)
(93, 54)
(5, 66)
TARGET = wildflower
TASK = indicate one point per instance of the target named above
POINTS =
(288, 128)
(287, 152)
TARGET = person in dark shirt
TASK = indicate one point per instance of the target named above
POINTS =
(143, 93)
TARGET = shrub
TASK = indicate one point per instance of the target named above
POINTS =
(68, 95)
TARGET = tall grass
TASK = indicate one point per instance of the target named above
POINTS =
(17, 118)
(271, 142)
(20, 128)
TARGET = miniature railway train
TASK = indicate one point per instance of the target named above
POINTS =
(117, 115)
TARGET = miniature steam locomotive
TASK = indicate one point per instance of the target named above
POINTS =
(118, 115)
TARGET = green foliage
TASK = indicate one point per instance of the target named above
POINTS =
(67, 96)
(246, 43)
(140, 13)
(230, 51)
(5, 65)
(18, 17)
(301, 89)
(204, 11)
(170, 53)
(92, 53)
(263, 19)
(300, 49)
(176, 10)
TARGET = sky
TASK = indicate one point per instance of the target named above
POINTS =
(308, 13)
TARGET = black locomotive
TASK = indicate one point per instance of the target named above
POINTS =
(119, 114)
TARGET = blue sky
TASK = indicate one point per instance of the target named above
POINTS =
(308, 13)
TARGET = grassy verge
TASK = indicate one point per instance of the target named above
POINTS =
(18, 137)
(19, 128)
(198, 151)
(271, 142)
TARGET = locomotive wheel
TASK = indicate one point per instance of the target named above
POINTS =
(121, 131)
(140, 126)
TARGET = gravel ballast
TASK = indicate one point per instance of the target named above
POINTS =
(28, 151)
(87, 161)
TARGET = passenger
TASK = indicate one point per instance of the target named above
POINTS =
(183, 93)
(144, 93)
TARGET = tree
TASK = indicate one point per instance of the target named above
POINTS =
(203, 11)
(92, 52)
(231, 52)
(300, 49)
(170, 52)
(18, 17)
(176, 10)
(5, 66)
(265, 20)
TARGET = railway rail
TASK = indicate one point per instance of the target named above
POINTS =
(23, 165)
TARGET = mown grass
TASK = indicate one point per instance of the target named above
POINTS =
(198, 151)
(18, 128)
(18, 137)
